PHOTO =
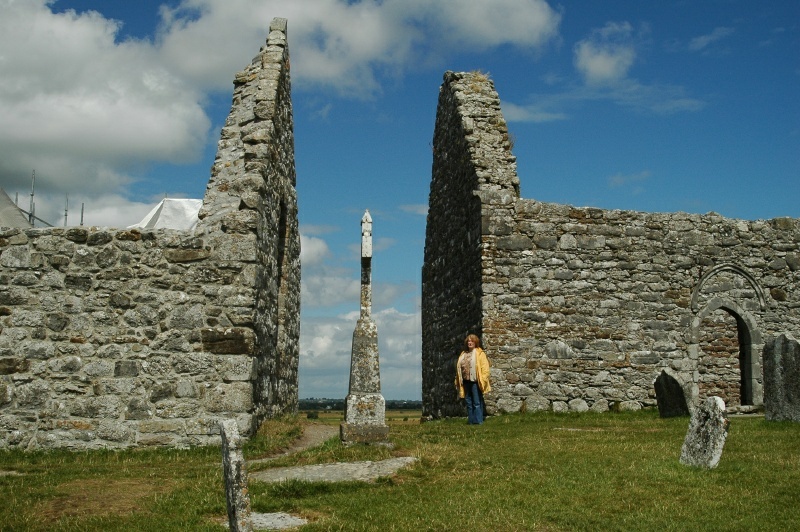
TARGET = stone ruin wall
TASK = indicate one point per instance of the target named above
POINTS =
(582, 308)
(114, 338)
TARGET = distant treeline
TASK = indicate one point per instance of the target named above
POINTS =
(338, 404)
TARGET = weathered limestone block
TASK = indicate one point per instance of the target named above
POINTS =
(628, 406)
(578, 405)
(16, 257)
(559, 350)
(230, 397)
(115, 431)
(230, 341)
(706, 436)
(599, 406)
(6, 393)
(782, 379)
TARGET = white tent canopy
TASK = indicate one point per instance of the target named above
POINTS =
(10, 214)
(171, 214)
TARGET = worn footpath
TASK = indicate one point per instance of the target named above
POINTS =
(316, 434)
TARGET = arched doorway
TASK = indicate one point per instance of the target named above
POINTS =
(724, 364)
(728, 347)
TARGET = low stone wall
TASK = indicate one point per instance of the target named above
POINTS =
(111, 338)
(582, 308)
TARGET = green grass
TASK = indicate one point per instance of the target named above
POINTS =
(517, 472)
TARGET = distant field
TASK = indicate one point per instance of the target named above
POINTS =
(392, 416)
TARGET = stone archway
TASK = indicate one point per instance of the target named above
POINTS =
(726, 346)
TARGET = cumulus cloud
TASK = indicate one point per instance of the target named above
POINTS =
(82, 111)
(606, 56)
(90, 111)
(344, 45)
(326, 289)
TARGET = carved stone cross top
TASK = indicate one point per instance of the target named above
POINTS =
(366, 235)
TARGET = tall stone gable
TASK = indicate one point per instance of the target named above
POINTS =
(582, 308)
(114, 338)
(471, 157)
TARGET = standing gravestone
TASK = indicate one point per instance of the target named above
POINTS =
(782, 379)
(706, 436)
(365, 408)
(670, 395)
(235, 472)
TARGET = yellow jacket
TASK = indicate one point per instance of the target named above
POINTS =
(481, 372)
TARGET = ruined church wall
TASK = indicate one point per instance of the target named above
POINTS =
(582, 308)
(114, 338)
(585, 307)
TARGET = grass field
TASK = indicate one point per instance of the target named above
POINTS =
(516, 472)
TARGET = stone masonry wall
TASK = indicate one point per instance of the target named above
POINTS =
(582, 308)
(114, 338)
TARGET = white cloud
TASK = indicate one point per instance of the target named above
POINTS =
(328, 290)
(703, 41)
(526, 23)
(106, 210)
(84, 111)
(529, 113)
(420, 209)
(312, 250)
(607, 55)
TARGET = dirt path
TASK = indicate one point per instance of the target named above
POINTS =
(313, 434)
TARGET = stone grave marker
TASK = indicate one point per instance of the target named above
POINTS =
(706, 436)
(782, 379)
(670, 395)
(235, 473)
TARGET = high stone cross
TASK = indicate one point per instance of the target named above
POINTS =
(365, 407)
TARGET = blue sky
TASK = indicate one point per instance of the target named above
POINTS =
(651, 106)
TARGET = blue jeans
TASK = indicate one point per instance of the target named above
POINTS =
(476, 410)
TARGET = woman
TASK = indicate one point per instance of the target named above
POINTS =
(472, 379)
